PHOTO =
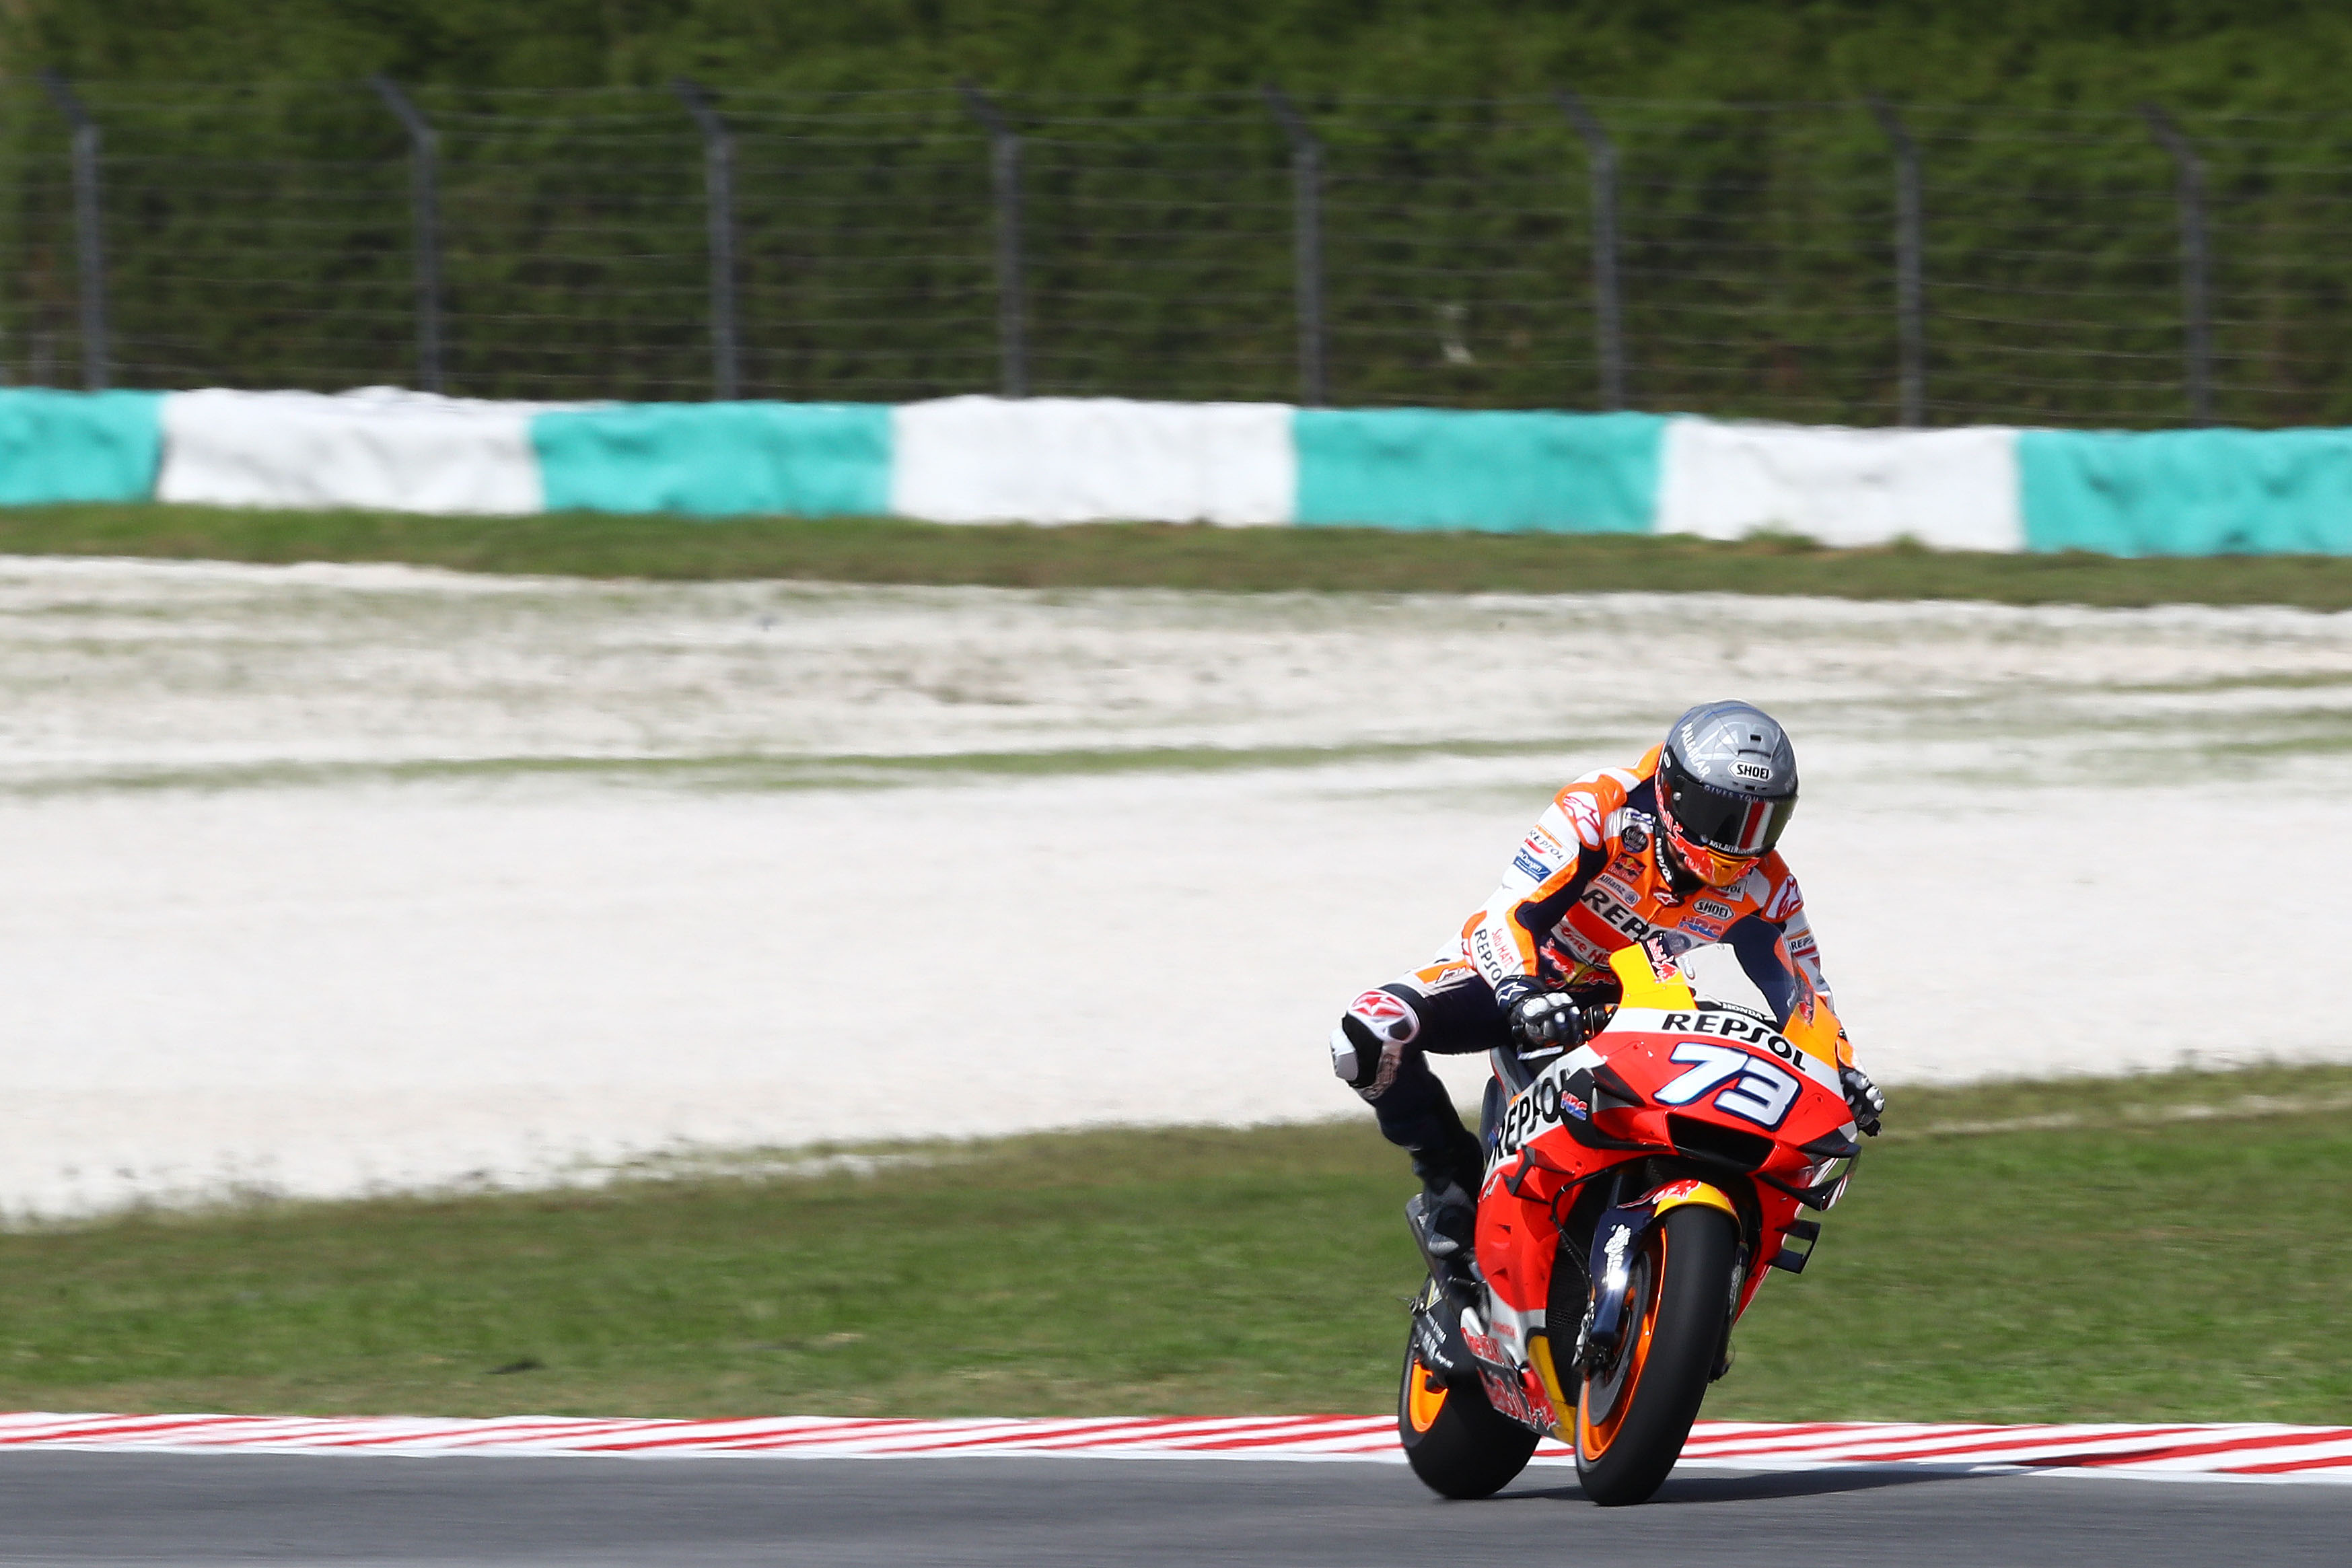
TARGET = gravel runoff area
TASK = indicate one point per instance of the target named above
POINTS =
(338, 878)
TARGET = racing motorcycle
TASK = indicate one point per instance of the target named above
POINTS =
(1638, 1190)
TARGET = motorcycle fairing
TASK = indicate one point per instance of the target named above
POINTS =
(1561, 1092)
(1548, 1140)
(1751, 972)
(1437, 1338)
(1511, 1386)
(1462, 1357)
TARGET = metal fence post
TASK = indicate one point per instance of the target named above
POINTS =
(424, 223)
(89, 239)
(719, 197)
(1910, 302)
(1608, 324)
(2196, 309)
(1004, 164)
(1307, 196)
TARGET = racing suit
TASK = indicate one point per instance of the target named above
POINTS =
(1585, 882)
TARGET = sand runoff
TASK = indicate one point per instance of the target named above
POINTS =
(343, 878)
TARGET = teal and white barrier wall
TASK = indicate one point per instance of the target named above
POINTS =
(1060, 460)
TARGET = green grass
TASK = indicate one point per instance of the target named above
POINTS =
(1155, 555)
(2141, 1264)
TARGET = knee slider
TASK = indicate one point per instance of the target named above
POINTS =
(1375, 1028)
(1354, 1055)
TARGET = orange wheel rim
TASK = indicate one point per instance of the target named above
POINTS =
(1424, 1396)
(1593, 1438)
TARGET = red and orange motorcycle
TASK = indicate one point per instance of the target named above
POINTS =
(1638, 1190)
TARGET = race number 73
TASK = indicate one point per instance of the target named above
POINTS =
(1758, 1091)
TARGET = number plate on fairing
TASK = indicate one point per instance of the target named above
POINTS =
(1753, 1034)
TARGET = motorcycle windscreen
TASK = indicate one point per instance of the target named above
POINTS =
(1749, 971)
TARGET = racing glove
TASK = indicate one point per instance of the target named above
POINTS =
(1544, 1024)
(1864, 1099)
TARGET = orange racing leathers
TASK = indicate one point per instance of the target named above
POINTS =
(1585, 882)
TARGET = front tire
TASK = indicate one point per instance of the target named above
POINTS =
(1633, 1417)
(1453, 1439)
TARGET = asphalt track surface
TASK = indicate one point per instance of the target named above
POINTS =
(213, 1510)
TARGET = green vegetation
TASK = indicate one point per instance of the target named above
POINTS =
(2060, 53)
(256, 203)
(1152, 555)
(2146, 1263)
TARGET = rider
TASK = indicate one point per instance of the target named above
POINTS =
(1683, 841)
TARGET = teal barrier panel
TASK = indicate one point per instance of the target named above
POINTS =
(1506, 472)
(78, 446)
(2188, 492)
(809, 459)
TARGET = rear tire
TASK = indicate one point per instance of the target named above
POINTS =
(1632, 1418)
(1453, 1439)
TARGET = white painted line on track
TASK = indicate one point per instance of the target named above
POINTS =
(2172, 1451)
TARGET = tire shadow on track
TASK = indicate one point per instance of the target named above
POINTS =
(1756, 1486)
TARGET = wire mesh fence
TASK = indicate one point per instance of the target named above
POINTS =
(2127, 269)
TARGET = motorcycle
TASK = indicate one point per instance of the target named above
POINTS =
(1637, 1192)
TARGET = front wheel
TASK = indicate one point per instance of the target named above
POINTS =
(1453, 1440)
(1633, 1415)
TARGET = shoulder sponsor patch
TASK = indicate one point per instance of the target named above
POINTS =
(1539, 857)
(1786, 901)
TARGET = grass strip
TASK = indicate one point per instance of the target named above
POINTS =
(2145, 1264)
(1155, 555)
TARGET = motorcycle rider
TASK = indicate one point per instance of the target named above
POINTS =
(1684, 841)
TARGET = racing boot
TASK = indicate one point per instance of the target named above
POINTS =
(1445, 1217)
(1449, 1221)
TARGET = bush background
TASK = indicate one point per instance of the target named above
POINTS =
(258, 221)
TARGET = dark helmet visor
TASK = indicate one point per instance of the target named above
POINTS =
(1727, 824)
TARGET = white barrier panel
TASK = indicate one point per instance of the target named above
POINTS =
(1066, 460)
(1955, 489)
(378, 447)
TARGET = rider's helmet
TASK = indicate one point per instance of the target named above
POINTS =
(1727, 785)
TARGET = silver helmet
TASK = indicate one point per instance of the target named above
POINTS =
(1726, 786)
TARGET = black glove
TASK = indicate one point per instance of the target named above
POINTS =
(1544, 1024)
(1863, 1099)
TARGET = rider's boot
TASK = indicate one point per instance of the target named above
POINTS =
(1448, 1216)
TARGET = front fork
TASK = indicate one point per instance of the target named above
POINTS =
(1618, 1237)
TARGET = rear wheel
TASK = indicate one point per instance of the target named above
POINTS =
(1453, 1440)
(1633, 1415)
